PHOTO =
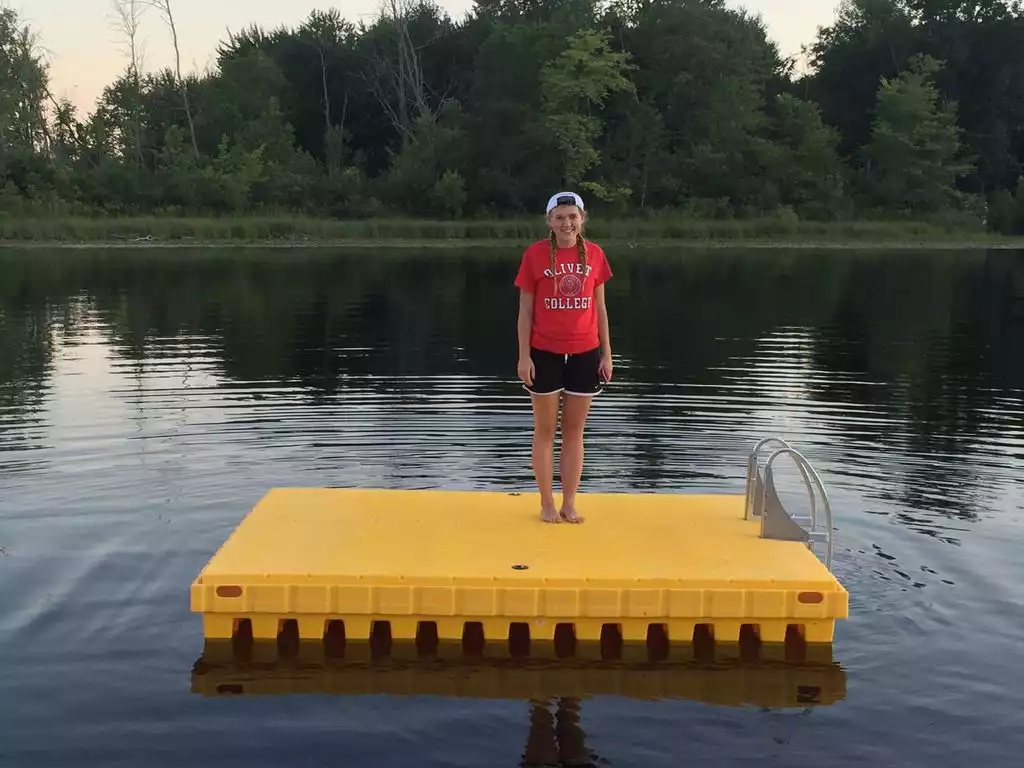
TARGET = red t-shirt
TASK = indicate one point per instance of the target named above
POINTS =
(564, 313)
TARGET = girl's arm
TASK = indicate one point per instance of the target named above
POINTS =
(525, 365)
(602, 322)
(604, 336)
(525, 324)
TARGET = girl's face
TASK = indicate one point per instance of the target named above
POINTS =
(566, 221)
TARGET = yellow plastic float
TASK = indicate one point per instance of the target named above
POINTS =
(323, 564)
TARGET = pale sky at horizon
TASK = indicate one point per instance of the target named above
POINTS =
(84, 49)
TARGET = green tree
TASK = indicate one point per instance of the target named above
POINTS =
(868, 41)
(424, 177)
(122, 105)
(231, 175)
(801, 159)
(508, 147)
(708, 70)
(573, 84)
(24, 88)
(978, 40)
(165, 9)
(914, 154)
(970, 11)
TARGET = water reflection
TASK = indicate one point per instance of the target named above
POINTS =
(737, 675)
(148, 399)
(388, 368)
(908, 355)
(553, 689)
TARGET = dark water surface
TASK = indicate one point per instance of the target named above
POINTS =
(148, 399)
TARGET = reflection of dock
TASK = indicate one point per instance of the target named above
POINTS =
(726, 675)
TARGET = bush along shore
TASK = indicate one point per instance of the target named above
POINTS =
(784, 228)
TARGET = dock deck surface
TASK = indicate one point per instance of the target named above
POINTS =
(355, 557)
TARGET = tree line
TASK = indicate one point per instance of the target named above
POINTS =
(909, 109)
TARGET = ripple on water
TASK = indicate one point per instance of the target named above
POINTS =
(132, 445)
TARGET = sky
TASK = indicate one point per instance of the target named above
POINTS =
(85, 52)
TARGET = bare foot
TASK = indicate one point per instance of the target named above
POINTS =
(549, 514)
(568, 514)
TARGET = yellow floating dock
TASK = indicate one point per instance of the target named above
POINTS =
(353, 563)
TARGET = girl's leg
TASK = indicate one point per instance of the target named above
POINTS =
(545, 421)
(541, 743)
(572, 741)
(574, 417)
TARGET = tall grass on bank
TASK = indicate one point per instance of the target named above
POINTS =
(298, 229)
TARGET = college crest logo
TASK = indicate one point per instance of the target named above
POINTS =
(570, 285)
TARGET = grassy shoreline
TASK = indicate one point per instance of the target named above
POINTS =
(293, 231)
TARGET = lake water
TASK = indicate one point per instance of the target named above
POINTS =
(149, 398)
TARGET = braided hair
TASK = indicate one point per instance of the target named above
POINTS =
(581, 246)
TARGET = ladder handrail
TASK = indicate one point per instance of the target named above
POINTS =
(752, 462)
(806, 468)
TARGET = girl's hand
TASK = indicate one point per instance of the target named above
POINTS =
(526, 370)
(604, 368)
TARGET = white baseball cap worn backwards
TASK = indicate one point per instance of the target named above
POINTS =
(564, 198)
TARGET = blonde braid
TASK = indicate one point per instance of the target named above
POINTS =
(581, 245)
(553, 243)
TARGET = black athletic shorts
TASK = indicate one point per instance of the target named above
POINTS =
(572, 374)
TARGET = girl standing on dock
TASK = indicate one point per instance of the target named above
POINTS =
(565, 352)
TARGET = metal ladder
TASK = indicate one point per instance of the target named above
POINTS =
(763, 500)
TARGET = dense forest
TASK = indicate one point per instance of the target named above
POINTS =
(908, 109)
